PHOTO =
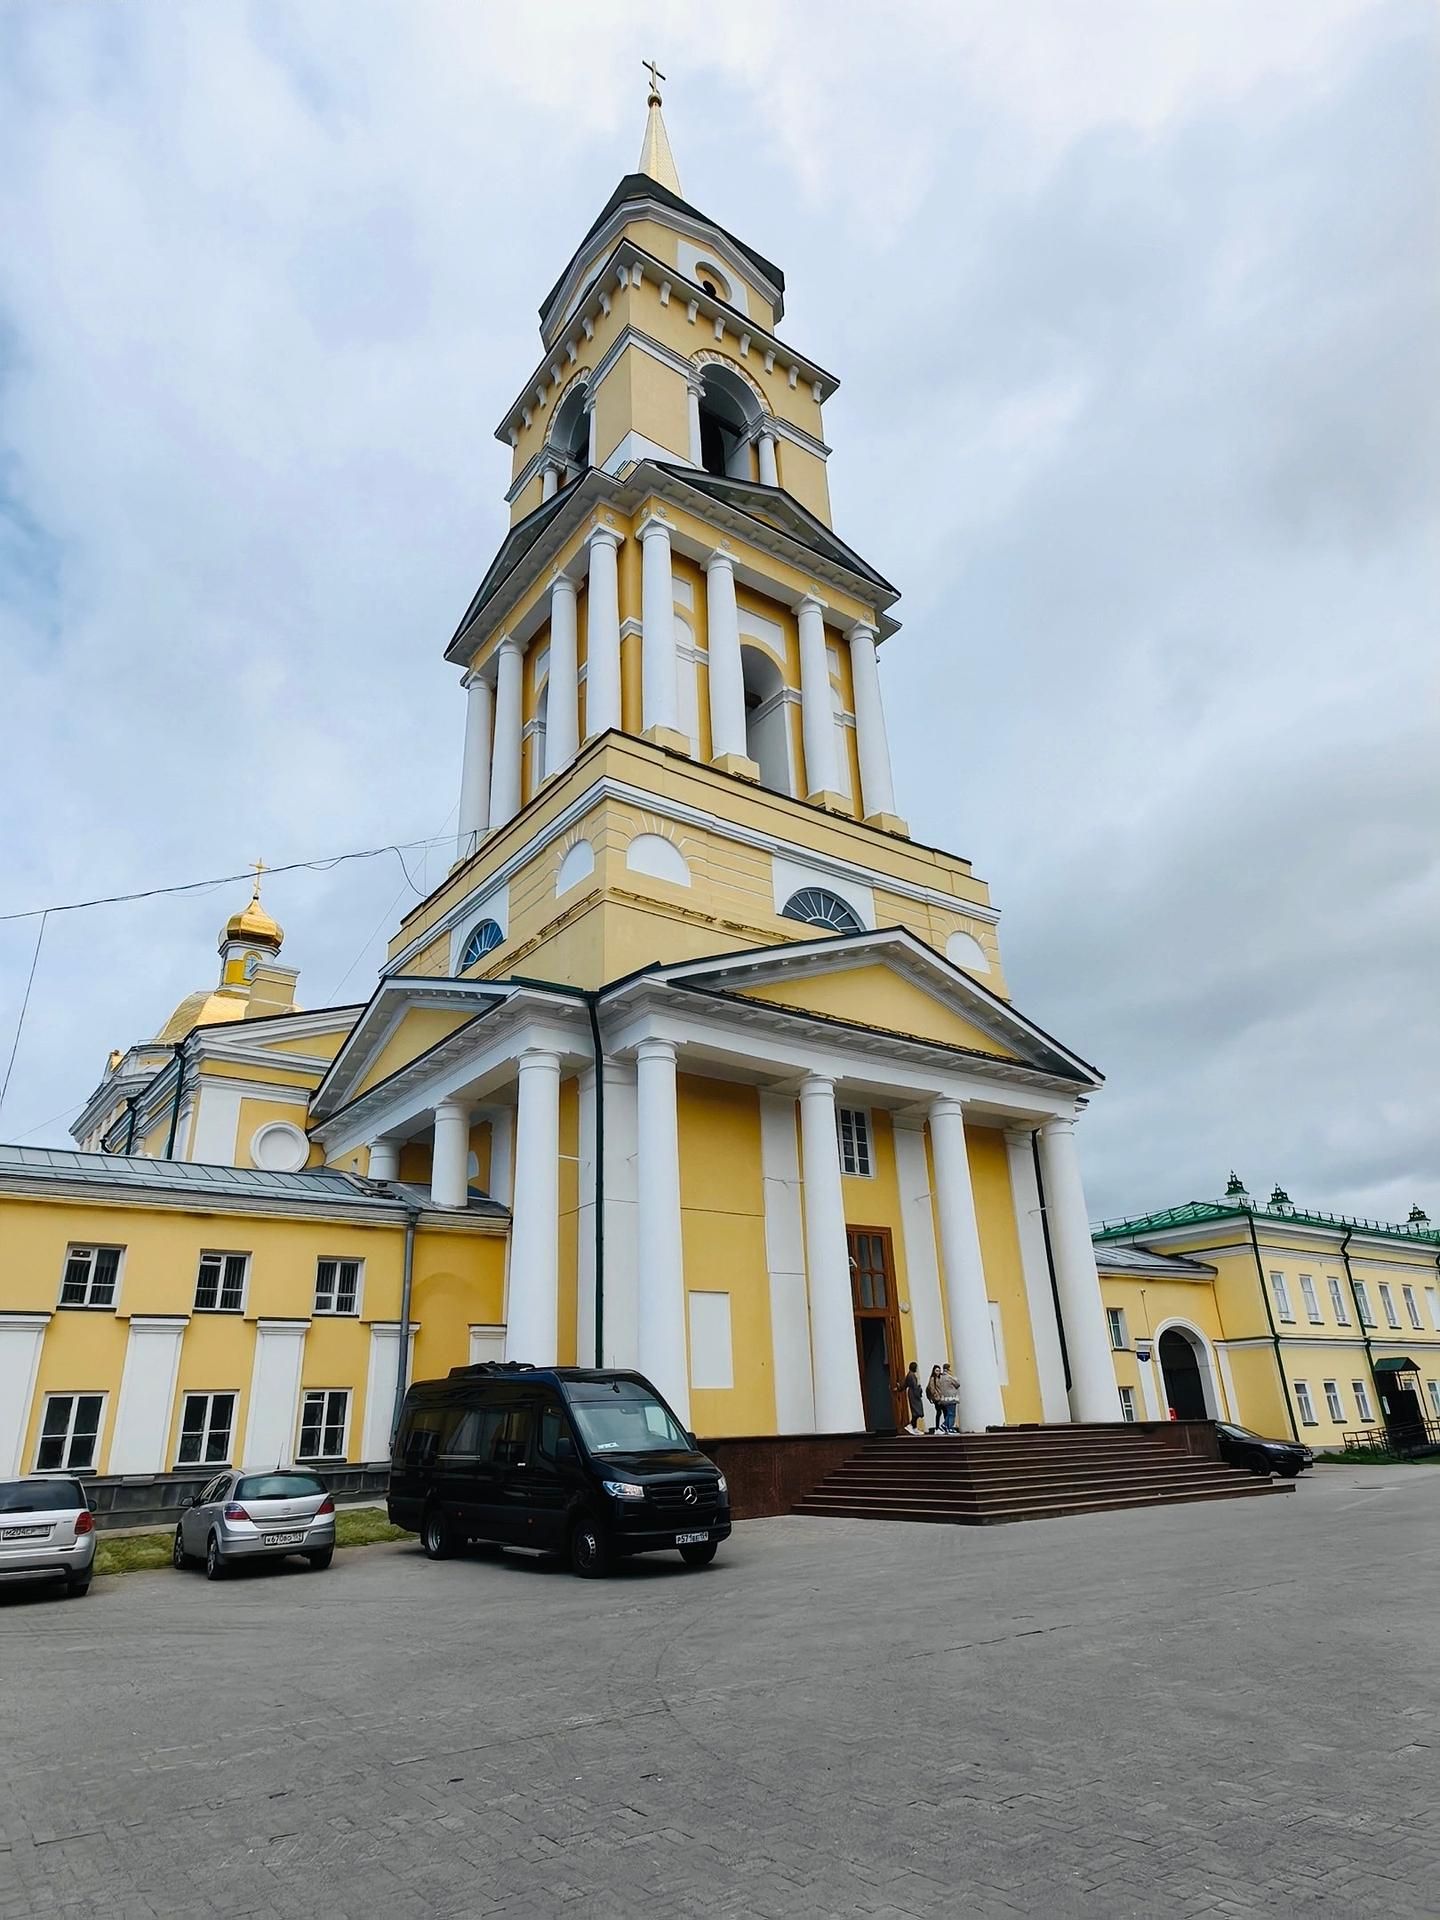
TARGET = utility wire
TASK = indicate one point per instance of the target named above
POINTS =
(20, 1023)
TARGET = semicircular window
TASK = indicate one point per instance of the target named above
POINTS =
(483, 939)
(821, 909)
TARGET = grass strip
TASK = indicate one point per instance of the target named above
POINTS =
(141, 1552)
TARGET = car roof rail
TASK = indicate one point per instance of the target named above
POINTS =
(480, 1369)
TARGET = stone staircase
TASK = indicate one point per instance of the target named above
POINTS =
(1023, 1473)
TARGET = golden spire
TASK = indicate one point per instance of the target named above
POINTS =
(656, 158)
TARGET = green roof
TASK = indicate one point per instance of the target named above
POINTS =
(1197, 1213)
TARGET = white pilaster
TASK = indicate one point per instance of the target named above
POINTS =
(660, 697)
(1039, 1297)
(501, 1183)
(532, 1314)
(549, 482)
(589, 430)
(838, 1405)
(967, 1307)
(505, 757)
(21, 1337)
(384, 1160)
(602, 635)
(785, 1264)
(380, 1384)
(274, 1393)
(450, 1156)
(926, 1337)
(765, 448)
(659, 1254)
(562, 726)
(816, 706)
(692, 390)
(876, 783)
(475, 769)
(727, 685)
(147, 1394)
(1093, 1393)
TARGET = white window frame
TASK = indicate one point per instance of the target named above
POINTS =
(90, 1252)
(1387, 1301)
(1412, 1307)
(65, 1464)
(1119, 1332)
(1363, 1409)
(1127, 1404)
(1432, 1295)
(1305, 1403)
(224, 1256)
(1312, 1301)
(325, 1394)
(857, 1154)
(1432, 1387)
(1337, 1299)
(207, 1429)
(1335, 1406)
(1367, 1312)
(326, 1306)
(1282, 1299)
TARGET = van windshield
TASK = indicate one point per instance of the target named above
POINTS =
(623, 1418)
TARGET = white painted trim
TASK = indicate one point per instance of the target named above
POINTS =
(635, 447)
(1209, 1366)
(275, 1132)
(785, 1265)
(217, 1123)
(789, 877)
(487, 1343)
(380, 1378)
(21, 1337)
(274, 1400)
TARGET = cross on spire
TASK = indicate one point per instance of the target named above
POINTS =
(259, 868)
(656, 77)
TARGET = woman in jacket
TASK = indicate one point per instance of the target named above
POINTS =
(945, 1390)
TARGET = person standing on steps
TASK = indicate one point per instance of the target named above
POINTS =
(946, 1391)
(912, 1396)
(930, 1396)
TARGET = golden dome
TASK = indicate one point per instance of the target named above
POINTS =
(203, 1009)
(253, 923)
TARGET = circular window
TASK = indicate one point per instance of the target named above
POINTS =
(483, 939)
(821, 909)
(279, 1147)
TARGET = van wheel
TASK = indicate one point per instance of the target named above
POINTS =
(700, 1554)
(437, 1542)
(590, 1552)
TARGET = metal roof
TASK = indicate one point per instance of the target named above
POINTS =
(1121, 1259)
(1201, 1212)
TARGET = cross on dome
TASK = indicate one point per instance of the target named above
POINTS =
(656, 158)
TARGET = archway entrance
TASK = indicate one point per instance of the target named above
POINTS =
(1184, 1384)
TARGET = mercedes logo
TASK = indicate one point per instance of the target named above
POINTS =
(690, 1496)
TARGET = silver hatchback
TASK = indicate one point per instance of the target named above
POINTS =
(257, 1516)
(46, 1527)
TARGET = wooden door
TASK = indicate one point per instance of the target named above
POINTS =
(877, 1327)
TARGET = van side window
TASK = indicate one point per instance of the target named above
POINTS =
(556, 1442)
(468, 1437)
(429, 1431)
(510, 1434)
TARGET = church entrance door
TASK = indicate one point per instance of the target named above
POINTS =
(877, 1325)
(1184, 1388)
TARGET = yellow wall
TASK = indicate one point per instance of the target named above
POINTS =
(879, 997)
(1004, 1274)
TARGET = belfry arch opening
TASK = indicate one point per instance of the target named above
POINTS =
(766, 740)
(1185, 1366)
(570, 433)
(729, 414)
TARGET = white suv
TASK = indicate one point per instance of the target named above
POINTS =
(46, 1526)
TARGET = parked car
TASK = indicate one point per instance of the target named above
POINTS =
(568, 1460)
(46, 1527)
(1242, 1448)
(257, 1516)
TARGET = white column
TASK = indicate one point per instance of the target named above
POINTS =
(816, 707)
(602, 635)
(590, 430)
(692, 389)
(549, 482)
(765, 447)
(450, 1156)
(505, 758)
(660, 704)
(1039, 1296)
(926, 1339)
(384, 1160)
(532, 1314)
(967, 1305)
(21, 1337)
(147, 1394)
(838, 1406)
(1093, 1392)
(562, 725)
(659, 1255)
(475, 769)
(727, 684)
(876, 783)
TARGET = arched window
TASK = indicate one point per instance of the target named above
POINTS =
(821, 909)
(483, 939)
(712, 279)
(728, 413)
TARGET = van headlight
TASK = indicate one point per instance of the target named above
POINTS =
(722, 1485)
(623, 1489)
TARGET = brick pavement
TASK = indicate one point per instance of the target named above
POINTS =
(1210, 1710)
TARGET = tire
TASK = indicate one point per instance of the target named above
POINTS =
(1289, 1473)
(437, 1540)
(321, 1559)
(700, 1554)
(591, 1555)
(179, 1558)
(78, 1588)
(215, 1568)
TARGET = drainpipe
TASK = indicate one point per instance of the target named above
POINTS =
(1274, 1331)
(131, 1105)
(592, 1005)
(402, 1365)
(1360, 1322)
(175, 1103)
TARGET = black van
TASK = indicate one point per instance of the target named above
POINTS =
(561, 1459)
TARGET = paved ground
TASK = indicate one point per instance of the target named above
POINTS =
(1222, 1709)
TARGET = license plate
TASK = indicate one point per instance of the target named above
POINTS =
(691, 1539)
(280, 1539)
(23, 1533)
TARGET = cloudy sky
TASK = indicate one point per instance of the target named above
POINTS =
(1134, 306)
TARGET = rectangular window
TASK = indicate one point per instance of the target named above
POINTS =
(1412, 1307)
(1432, 1387)
(206, 1425)
(712, 1356)
(1282, 1296)
(1305, 1404)
(1362, 1294)
(1337, 1300)
(337, 1286)
(324, 1415)
(1333, 1401)
(70, 1432)
(1115, 1320)
(1362, 1401)
(1433, 1296)
(855, 1157)
(1312, 1305)
(220, 1284)
(1127, 1403)
(1387, 1301)
(91, 1274)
